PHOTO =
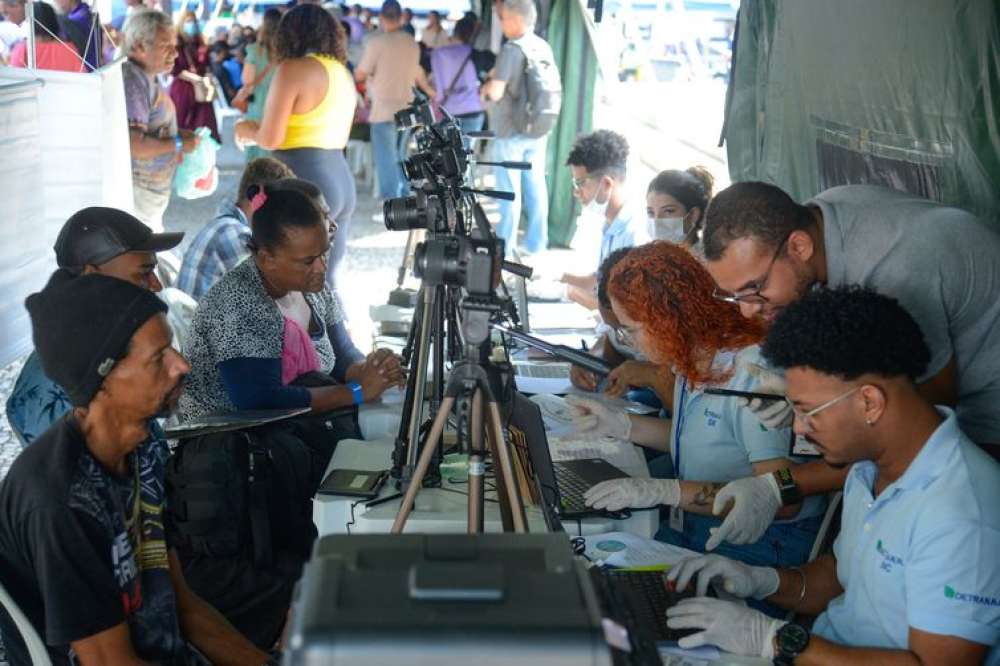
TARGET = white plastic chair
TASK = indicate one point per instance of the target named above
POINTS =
(36, 647)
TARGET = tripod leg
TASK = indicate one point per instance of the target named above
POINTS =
(476, 466)
(433, 438)
(505, 471)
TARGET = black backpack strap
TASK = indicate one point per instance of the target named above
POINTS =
(259, 490)
(454, 81)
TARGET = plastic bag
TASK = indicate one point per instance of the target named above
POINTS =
(196, 175)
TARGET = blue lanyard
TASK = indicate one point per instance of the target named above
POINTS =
(678, 426)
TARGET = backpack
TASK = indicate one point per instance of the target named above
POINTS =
(541, 90)
(248, 493)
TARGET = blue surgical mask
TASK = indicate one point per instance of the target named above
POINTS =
(190, 29)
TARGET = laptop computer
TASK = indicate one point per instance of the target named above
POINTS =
(563, 483)
(226, 421)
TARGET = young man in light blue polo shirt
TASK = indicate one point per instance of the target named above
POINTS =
(914, 577)
(597, 163)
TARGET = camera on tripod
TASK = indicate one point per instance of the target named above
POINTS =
(460, 261)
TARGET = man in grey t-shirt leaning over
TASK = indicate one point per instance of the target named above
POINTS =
(942, 264)
(506, 90)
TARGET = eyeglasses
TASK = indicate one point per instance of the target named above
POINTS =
(752, 293)
(578, 183)
(625, 337)
(806, 418)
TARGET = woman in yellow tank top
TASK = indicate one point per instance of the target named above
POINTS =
(308, 115)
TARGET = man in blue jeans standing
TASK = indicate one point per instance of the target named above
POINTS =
(391, 67)
(505, 89)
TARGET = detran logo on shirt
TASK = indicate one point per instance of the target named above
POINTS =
(952, 593)
(888, 559)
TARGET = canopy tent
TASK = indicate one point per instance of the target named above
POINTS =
(900, 93)
(63, 146)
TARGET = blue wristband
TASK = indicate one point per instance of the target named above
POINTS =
(359, 395)
(178, 144)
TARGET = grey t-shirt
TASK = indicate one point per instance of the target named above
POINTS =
(943, 265)
(510, 69)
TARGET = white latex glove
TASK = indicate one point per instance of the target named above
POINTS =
(618, 494)
(727, 624)
(593, 419)
(774, 414)
(737, 578)
(756, 500)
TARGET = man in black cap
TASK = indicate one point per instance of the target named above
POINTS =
(104, 241)
(82, 540)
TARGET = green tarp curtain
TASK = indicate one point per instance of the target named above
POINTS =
(900, 93)
(577, 62)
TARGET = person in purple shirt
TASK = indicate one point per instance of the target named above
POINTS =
(454, 70)
(78, 22)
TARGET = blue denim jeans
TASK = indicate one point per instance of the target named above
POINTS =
(388, 150)
(473, 123)
(783, 545)
(529, 189)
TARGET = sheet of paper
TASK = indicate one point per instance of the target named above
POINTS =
(623, 455)
(625, 550)
(535, 385)
(675, 656)
(556, 414)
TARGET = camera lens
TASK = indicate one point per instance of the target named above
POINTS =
(440, 261)
(403, 214)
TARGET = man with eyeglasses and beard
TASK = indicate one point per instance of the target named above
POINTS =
(913, 577)
(83, 550)
(765, 252)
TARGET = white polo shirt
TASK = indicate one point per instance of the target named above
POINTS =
(925, 553)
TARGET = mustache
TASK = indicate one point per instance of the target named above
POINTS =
(169, 402)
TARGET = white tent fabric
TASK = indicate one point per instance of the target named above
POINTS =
(63, 146)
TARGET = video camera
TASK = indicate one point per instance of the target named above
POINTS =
(462, 251)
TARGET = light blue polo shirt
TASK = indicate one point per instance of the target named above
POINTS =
(626, 230)
(925, 553)
(716, 438)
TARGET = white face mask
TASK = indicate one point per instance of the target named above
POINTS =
(666, 228)
(596, 208)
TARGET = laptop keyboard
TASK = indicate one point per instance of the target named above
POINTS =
(572, 488)
(651, 599)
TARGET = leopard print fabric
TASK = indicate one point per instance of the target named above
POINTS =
(237, 318)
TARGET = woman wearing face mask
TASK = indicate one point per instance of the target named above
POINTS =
(189, 70)
(662, 297)
(676, 203)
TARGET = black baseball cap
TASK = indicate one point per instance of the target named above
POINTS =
(97, 234)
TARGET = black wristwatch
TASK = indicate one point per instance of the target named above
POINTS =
(790, 492)
(791, 640)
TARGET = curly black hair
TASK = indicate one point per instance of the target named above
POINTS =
(848, 332)
(310, 29)
(752, 209)
(601, 151)
(604, 275)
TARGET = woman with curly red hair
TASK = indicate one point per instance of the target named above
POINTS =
(662, 297)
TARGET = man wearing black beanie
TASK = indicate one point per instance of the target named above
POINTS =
(82, 541)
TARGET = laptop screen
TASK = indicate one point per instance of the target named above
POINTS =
(527, 431)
